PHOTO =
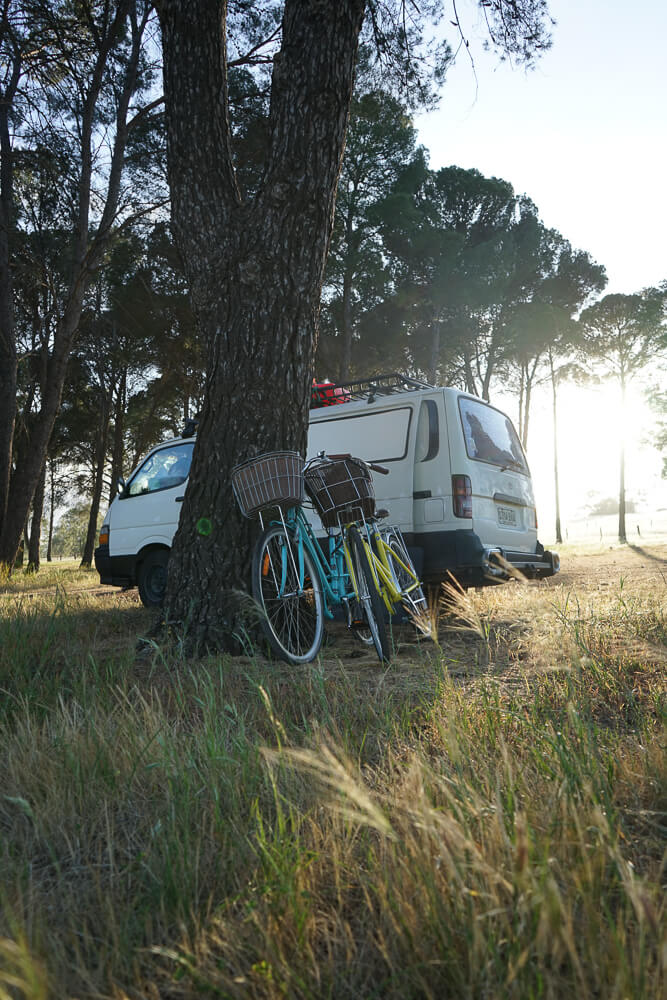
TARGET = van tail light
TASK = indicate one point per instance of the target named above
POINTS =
(462, 496)
(104, 534)
(536, 524)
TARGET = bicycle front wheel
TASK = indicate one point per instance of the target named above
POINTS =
(289, 595)
(368, 594)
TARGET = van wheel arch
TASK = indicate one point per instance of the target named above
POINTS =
(152, 575)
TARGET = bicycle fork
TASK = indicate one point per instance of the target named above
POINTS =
(287, 553)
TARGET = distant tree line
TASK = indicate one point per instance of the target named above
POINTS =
(445, 274)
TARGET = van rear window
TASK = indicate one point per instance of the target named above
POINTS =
(490, 436)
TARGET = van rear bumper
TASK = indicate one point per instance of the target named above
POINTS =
(461, 553)
(502, 564)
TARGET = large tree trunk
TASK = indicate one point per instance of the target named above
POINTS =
(255, 270)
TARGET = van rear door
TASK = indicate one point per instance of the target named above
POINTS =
(488, 450)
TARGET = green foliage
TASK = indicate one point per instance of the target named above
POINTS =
(622, 334)
(657, 398)
(380, 141)
(69, 534)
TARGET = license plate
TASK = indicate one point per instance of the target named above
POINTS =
(506, 515)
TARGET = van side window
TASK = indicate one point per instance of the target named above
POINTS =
(162, 470)
(428, 432)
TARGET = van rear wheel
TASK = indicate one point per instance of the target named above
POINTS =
(152, 578)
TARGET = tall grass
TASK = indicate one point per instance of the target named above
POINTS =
(484, 819)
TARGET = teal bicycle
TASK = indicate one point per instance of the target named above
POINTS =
(298, 582)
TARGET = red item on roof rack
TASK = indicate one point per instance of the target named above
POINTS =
(327, 393)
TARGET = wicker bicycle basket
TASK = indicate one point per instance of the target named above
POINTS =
(341, 491)
(271, 480)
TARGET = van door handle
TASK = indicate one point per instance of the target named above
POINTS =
(421, 494)
(508, 498)
(180, 499)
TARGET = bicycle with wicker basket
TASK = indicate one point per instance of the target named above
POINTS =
(297, 582)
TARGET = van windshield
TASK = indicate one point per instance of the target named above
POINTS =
(162, 470)
(490, 436)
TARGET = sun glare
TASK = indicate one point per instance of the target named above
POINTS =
(591, 424)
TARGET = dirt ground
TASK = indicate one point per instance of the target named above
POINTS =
(593, 569)
(584, 571)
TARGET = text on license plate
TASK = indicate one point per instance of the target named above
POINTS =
(506, 516)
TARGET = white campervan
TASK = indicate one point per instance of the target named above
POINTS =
(458, 487)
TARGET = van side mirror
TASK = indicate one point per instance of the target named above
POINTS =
(121, 486)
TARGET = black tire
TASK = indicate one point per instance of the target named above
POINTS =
(294, 622)
(152, 578)
(370, 597)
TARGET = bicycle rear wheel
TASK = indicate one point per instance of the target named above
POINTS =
(412, 594)
(291, 601)
(368, 594)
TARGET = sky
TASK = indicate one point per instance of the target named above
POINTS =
(584, 135)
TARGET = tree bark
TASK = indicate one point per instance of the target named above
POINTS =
(469, 376)
(8, 359)
(526, 412)
(52, 500)
(98, 482)
(622, 536)
(255, 271)
(559, 536)
(118, 433)
(36, 523)
(348, 278)
(434, 361)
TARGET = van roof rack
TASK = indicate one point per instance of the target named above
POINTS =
(365, 388)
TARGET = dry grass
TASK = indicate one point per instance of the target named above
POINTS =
(485, 818)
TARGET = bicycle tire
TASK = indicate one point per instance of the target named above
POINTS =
(293, 622)
(413, 600)
(368, 595)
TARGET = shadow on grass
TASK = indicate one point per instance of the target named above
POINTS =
(647, 555)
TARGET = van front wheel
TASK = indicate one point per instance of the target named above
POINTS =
(152, 578)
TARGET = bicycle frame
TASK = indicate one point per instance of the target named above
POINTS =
(336, 579)
(336, 574)
(385, 578)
